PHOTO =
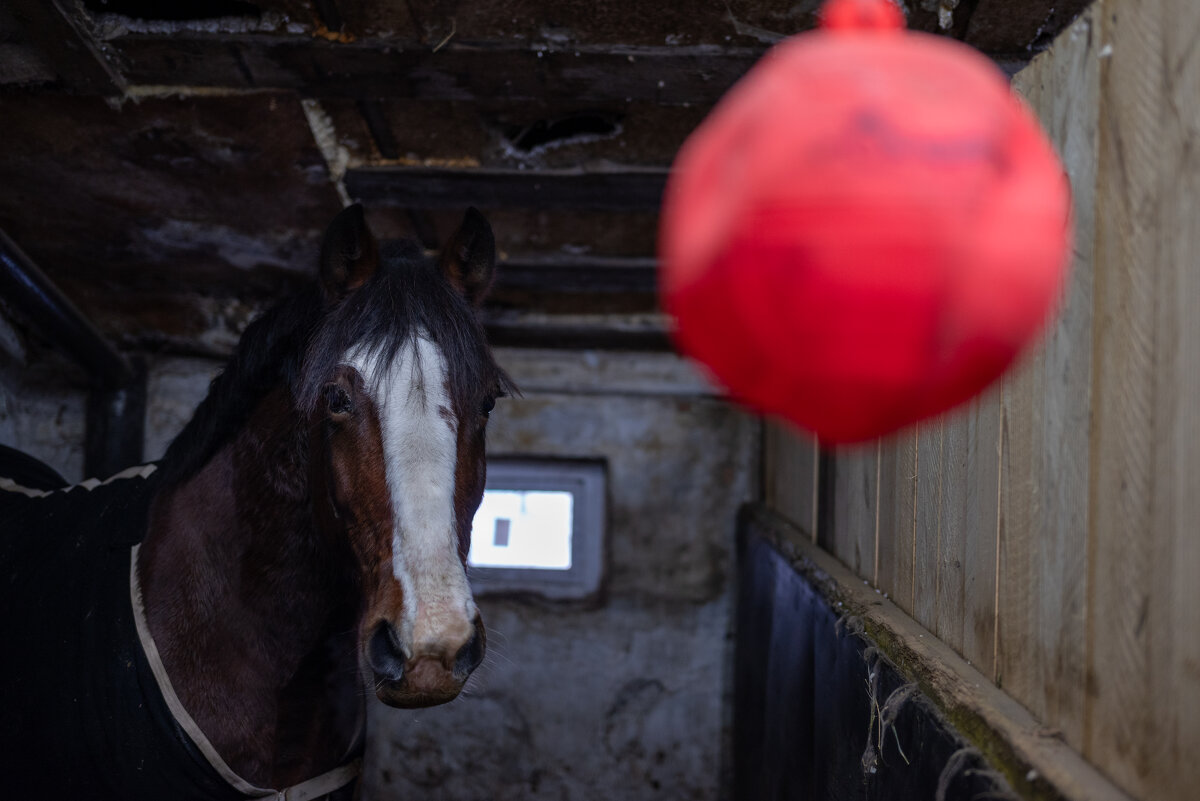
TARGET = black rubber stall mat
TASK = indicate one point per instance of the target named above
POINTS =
(820, 714)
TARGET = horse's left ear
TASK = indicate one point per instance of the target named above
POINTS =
(469, 258)
(349, 253)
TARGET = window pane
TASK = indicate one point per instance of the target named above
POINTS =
(524, 529)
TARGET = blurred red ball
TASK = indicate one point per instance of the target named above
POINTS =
(867, 229)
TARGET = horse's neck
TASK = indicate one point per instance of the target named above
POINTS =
(251, 622)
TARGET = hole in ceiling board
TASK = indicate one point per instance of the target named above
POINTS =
(175, 10)
(584, 126)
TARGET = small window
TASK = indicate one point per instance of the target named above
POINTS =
(540, 529)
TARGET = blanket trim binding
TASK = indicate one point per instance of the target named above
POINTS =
(313, 788)
(140, 471)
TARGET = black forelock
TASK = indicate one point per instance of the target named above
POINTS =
(303, 339)
(407, 296)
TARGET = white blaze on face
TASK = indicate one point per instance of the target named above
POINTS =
(420, 445)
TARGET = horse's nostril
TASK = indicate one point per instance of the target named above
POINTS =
(471, 654)
(384, 653)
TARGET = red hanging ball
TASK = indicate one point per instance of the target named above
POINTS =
(866, 230)
(861, 15)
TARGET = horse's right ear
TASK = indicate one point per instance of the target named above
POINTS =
(469, 259)
(349, 253)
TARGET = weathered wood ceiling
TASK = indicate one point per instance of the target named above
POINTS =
(171, 165)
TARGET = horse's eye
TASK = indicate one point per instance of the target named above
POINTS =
(489, 403)
(337, 400)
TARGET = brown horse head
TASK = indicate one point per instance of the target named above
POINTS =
(398, 383)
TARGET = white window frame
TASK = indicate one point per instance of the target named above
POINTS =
(587, 483)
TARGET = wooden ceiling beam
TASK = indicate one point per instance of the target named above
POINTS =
(64, 42)
(378, 70)
(628, 189)
(24, 64)
(578, 274)
(504, 334)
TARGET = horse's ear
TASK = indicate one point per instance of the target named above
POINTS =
(469, 258)
(349, 253)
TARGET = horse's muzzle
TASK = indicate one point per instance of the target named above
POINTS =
(425, 679)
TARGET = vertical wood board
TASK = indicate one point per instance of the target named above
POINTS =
(790, 465)
(980, 531)
(1018, 658)
(927, 530)
(1119, 723)
(951, 586)
(897, 516)
(1063, 88)
(1174, 611)
(855, 471)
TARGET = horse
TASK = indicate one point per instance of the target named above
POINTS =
(210, 626)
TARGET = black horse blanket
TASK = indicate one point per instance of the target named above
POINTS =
(82, 716)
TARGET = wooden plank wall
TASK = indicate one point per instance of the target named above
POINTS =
(1049, 531)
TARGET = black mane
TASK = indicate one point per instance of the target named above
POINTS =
(301, 340)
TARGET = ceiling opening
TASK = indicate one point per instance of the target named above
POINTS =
(577, 127)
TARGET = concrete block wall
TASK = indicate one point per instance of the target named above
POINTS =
(42, 402)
